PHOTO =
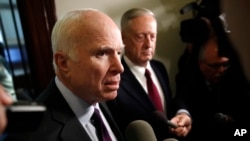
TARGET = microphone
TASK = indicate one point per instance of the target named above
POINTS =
(139, 130)
(163, 118)
(170, 139)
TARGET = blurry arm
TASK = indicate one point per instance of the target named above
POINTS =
(5, 100)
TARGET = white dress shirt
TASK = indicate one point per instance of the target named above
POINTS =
(139, 73)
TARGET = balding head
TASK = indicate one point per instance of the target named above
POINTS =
(80, 27)
(86, 51)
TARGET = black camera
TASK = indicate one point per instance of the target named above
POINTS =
(24, 116)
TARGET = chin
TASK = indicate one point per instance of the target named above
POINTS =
(111, 95)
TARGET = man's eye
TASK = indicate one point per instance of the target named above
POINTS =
(140, 37)
(153, 37)
(101, 54)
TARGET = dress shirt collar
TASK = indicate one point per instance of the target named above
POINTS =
(82, 109)
(135, 68)
(138, 71)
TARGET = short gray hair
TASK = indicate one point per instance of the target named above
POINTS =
(64, 32)
(133, 13)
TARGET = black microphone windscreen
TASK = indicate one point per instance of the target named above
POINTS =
(161, 117)
(140, 130)
(170, 139)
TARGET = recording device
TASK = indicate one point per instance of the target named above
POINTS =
(139, 130)
(24, 116)
(188, 7)
(195, 30)
(163, 119)
(207, 8)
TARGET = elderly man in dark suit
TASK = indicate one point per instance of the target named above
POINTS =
(86, 54)
(134, 101)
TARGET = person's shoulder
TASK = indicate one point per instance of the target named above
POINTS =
(157, 63)
(50, 92)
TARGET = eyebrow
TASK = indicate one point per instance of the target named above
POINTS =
(104, 47)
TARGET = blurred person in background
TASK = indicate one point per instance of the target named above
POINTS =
(5, 100)
(212, 82)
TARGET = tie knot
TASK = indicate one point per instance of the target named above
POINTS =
(147, 73)
(96, 111)
(96, 114)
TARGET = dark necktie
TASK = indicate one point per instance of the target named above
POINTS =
(153, 92)
(101, 130)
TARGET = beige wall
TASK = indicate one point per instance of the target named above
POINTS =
(169, 45)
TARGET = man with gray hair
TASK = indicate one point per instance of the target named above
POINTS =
(86, 53)
(145, 89)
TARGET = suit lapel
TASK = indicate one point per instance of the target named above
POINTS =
(131, 84)
(111, 121)
(72, 129)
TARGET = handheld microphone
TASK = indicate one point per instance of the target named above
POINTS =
(163, 118)
(139, 130)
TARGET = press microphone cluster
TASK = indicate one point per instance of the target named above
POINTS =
(163, 119)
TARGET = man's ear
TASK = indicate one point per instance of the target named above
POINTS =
(61, 61)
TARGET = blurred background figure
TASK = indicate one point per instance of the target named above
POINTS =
(7, 82)
(237, 16)
(4, 101)
(210, 79)
(6, 79)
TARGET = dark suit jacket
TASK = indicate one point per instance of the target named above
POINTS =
(133, 103)
(204, 102)
(60, 123)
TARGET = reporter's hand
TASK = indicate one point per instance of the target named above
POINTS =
(5, 100)
(184, 123)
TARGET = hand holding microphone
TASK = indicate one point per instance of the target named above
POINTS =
(140, 130)
(179, 125)
(163, 119)
(184, 123)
